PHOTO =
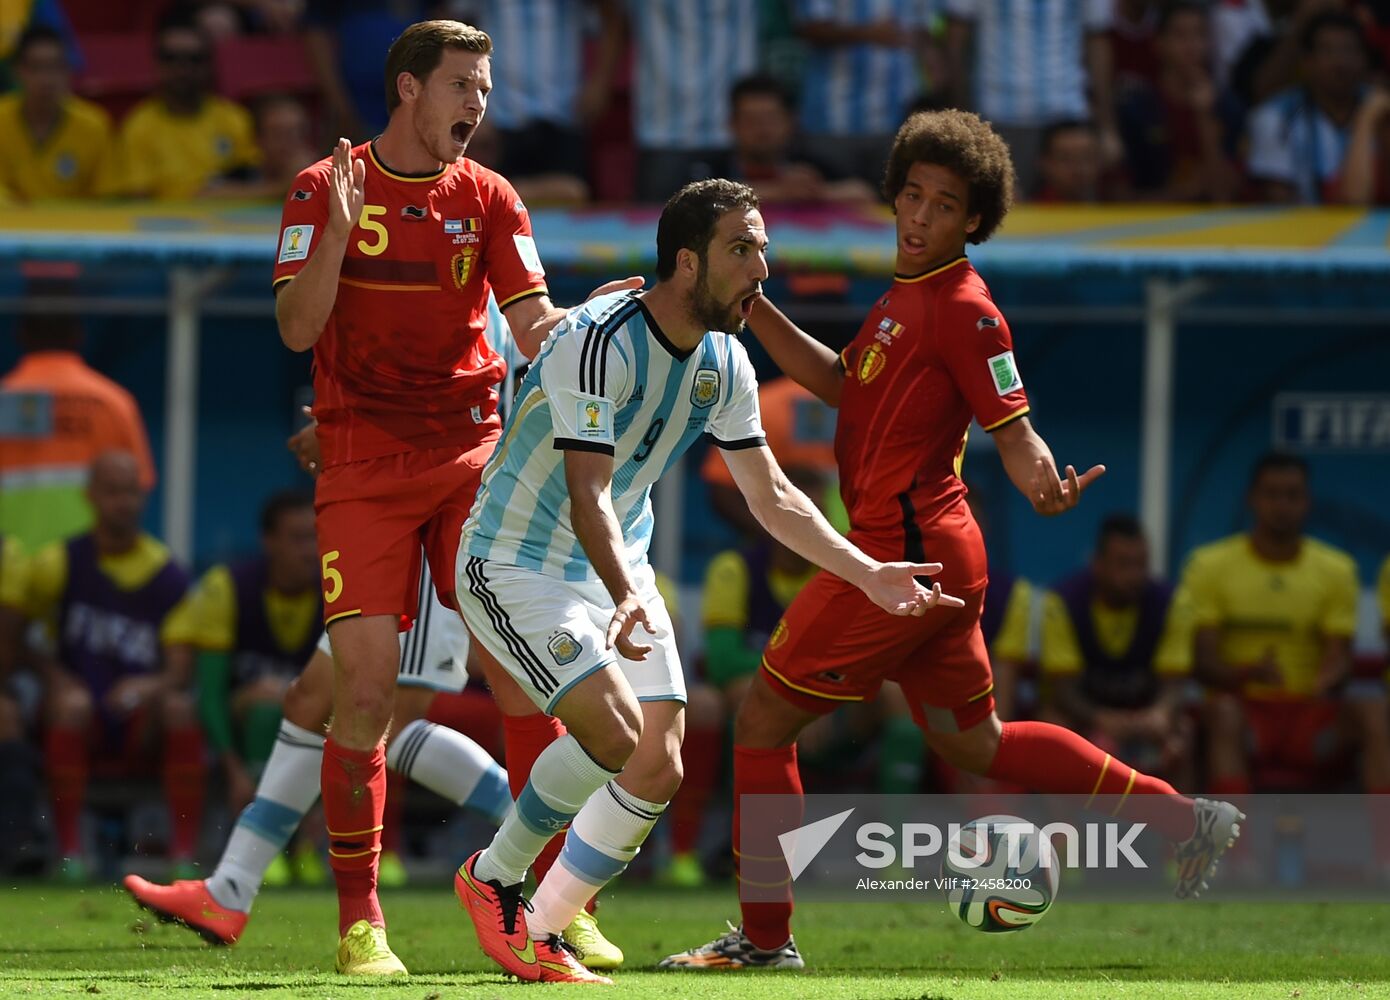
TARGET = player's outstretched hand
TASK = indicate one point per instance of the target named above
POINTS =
(1050, 495)
(620, 285)
(625, 617)
(894, 588)
(346, 189)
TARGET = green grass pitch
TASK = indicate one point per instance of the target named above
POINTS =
(60, 942)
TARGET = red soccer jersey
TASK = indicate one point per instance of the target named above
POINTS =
(933, 352)
(403, 359)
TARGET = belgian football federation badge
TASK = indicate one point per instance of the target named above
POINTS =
(706, 388)
(462, 267)
(871, 363)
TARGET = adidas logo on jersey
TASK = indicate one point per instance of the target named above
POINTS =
(638, 394)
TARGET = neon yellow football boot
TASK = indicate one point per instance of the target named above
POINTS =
(364, 952)
(593, 950)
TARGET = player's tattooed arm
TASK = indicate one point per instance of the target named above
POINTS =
(802, 357)
(303, 304)
(1030, 466)
(589, 478)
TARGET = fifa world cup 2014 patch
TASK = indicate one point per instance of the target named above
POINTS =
(294, 243)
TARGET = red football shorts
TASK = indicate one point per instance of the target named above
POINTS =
(376, 517)
(835, 646)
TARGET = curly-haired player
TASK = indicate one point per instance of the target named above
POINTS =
(933, 353)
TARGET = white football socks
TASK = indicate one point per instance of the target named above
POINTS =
(562, 780)
(288, 787)
(603, 839)
(452, 765)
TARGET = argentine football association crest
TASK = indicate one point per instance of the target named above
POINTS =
(564, 647)
(871, 363)
(706, 388)
(462, 267)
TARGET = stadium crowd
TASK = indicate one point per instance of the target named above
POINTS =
(600, 100)
(1237, 676)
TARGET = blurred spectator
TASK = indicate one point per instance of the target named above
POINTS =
(1266, 38)
(1069, 167)
(767, 157)
(867, 62)
(347, 42)
(17, 18)
(543, 97)
(56, 415)
(180, 141)
(689, 53)
(1029, 72)
(1241, 31)
(116, 608)
(1181, 131)
(800, 431)
(258, 622)
(1275, 612)
(1132, 34)
(544, 187)
(1365, 176)
(1299, 138)
(1116, 654)
(219, 19)
(56, 145)
(284, 134)
(19, 764)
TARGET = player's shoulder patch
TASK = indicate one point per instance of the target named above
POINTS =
(1004, 372)
(294, 243)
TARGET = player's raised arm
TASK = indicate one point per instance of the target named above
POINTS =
(791, 518)
(800, 356)
(305, 295)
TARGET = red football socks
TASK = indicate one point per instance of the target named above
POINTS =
(758, 860)
(527, 736)
(701, 755)
(185, 788)
(1047, 758)
(65, 753)
(393, 815)
(354, 801)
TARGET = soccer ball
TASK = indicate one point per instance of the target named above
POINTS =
(988, 893)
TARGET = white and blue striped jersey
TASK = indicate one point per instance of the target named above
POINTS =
(690, 53)
(860, 89)
(1030, 66)
(537, 48)
(606, 380)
